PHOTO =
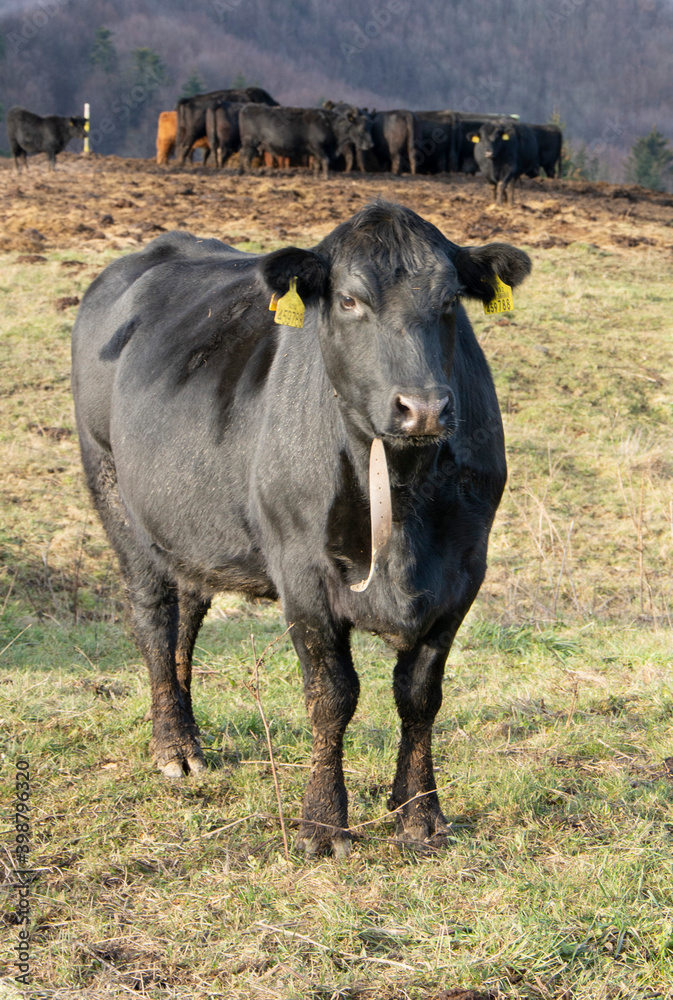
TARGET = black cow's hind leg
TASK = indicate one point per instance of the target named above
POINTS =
(193, 608)
(157, 627)
(162, 633)
(331, 689)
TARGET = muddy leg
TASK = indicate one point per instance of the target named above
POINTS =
(153, 600)
(193, 608)
(331, 689)
(175, 743)
(417, 686)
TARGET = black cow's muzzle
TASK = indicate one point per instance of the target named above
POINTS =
(423, 415)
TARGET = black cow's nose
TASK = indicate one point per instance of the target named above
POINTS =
(421, 415)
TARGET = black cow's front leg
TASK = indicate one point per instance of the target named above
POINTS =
(331, 689)
(417, 686)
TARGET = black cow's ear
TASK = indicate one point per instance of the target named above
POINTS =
(478, 266)
(309, 268)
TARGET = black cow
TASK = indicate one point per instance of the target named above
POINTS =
(462, 147)
(225, 452)
(30, 133)
(349, 153)
(223, 132)
(504, 150)
(192, 115)
(549, 146)
(433, 141)
(395, 135)
(295, 132)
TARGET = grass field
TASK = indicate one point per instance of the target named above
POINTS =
(553, 746)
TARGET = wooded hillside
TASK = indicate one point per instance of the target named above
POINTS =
(603, 65)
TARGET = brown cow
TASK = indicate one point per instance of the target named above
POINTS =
(167, 128)
(282, 162)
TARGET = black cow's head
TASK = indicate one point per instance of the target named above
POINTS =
(77, 126)
(353, 127)
(387, 286)
(495, 139)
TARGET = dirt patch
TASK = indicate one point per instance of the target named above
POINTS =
(31, 258)
(122, 204)
(66, 302)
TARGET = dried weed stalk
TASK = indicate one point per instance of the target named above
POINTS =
(253, 688)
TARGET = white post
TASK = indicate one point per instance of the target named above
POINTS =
(87, 116)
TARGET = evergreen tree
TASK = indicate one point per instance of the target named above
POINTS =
(194, 85)
(650, 159)
(148, 67)
(103, 53)
(579, 164)
(147, 75)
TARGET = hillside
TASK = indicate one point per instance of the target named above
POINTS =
(604, 67)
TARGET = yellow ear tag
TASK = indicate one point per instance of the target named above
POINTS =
(502, 300)
(475, 138)
(505, 137)
(273, 304)
(290, 308)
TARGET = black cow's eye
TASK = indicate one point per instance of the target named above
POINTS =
(348, 302)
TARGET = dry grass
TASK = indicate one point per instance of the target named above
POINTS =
(557, 724)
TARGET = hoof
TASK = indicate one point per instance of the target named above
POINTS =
(181, 767)
(423, 829)
(341, 848)
(179, 761)
(313, 845)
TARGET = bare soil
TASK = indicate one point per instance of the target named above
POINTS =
(97, 202)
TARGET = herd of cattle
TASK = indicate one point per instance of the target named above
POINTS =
(335, 137)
